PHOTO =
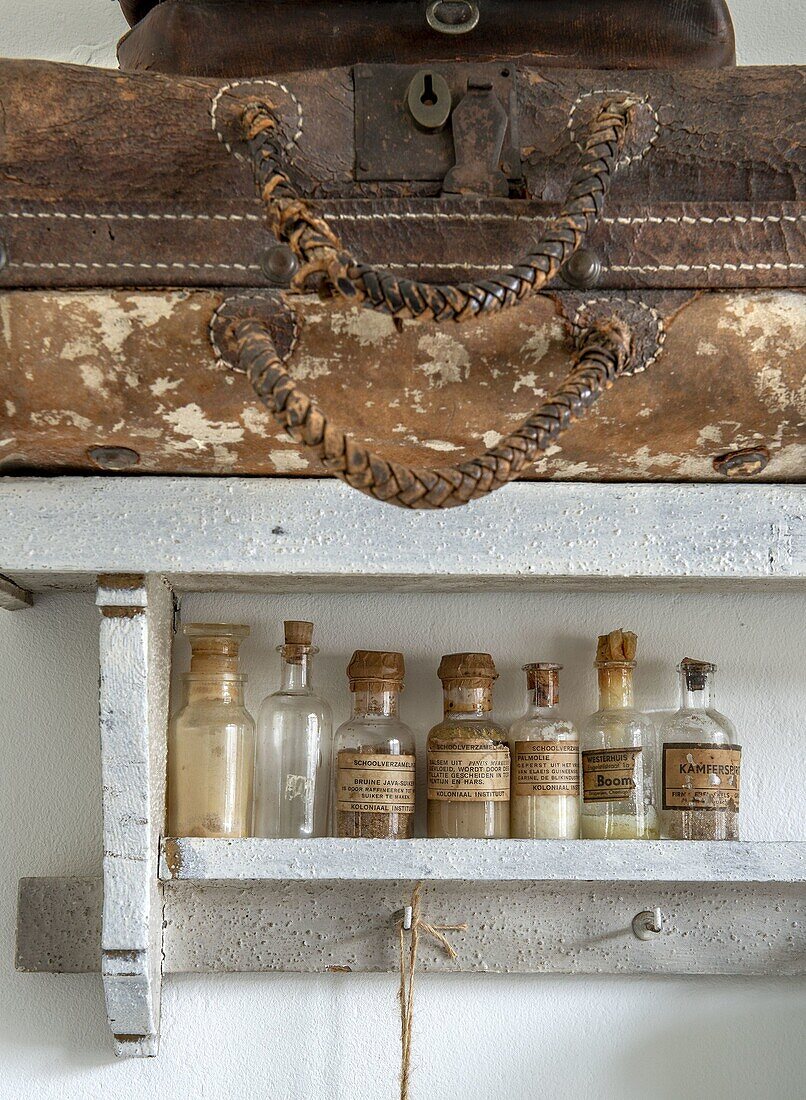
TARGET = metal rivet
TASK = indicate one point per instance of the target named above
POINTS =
(583, 270)
(3, 256)
(745, 462)
(279, 263)
(113, 458)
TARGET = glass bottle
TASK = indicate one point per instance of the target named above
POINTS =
(374, 793)
(293, 746)
(468, 754)
(545, 762)
(617, 752)
(701, 763)
(211, 740)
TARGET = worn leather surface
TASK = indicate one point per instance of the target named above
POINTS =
(135, 184)
(136, 369)
(248, 37)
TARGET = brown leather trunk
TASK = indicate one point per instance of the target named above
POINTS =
(127, 247)
(252, 37)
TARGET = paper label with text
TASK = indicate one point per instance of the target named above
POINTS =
(608, 775)
(545, 767)
(372, 782)
(701, 777)
(468, 772)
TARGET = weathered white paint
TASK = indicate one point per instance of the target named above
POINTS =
(12, 597)
(513, 927)
(135, 635)
(197, 531)
(254, 858)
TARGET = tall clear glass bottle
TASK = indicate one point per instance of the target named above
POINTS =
(701, 763)
(468, 754)
(293, 746)
(374, 754)
(545, 762)
(211, 740)
(618, 752)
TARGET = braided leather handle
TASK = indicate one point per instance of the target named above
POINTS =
(320, 252)
(603, 355)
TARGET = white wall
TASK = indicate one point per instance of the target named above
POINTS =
(335, 1038)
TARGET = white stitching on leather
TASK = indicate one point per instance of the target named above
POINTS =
(145, 266)
(623, 161)
(411, 215)
(617, 267)
(220, 361)
(59, 215)
(237, 84)
(709, 267)
(660, 335)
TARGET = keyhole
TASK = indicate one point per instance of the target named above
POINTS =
(429, 96)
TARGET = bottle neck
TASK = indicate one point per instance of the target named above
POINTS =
(295, 668)
(375, 701)
(615, 686)
(537, 703)
(200, 689)
(696, 693)
(462, 701)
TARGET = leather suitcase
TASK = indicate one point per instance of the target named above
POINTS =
(646, 226)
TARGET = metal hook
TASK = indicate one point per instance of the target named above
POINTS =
(648, 923)
(405, 916)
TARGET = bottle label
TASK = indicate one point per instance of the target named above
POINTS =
(608, 775)
(373, 782)
(701, 777)
(545, 767)
(468, 772)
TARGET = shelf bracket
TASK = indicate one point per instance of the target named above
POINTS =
(135, 648)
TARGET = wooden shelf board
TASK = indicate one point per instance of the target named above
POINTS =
(327, 859)
(286, 534)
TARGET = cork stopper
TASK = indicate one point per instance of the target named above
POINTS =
(297, 633)
(618, 646)
(543, 678)
(214, 647)
(696, 672)
(468, 669)
(371, 670)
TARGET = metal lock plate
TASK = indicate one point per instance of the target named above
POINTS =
(392, 145)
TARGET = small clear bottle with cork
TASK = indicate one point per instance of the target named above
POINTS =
(211, 739)
(468, 754)
(545, 762)
(293, 746)
(701, 763)
(374, 754)
(617, 752)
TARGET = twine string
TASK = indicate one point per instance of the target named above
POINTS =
(407, 969)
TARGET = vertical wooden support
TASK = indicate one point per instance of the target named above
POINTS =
(135, 648)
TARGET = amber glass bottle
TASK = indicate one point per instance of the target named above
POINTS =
(211, 740)
(468, 754)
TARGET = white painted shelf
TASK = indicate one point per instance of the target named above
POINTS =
(192, 859)
(284, 534)
(328, 905)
